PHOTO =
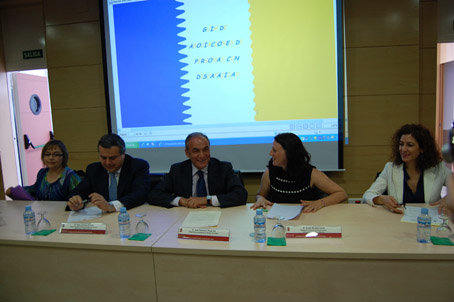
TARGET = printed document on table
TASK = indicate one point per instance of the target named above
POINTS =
(85, 214)
(284, 212)
(412, 213)
(197, 219)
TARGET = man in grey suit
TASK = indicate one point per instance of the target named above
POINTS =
(199, 181)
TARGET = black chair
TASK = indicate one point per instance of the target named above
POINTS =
(80, 173)
(320, 193)
(238, 173)
(156, 178)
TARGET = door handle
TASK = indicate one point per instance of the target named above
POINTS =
(27, 142)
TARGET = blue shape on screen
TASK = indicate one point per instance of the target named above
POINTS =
(148, 62)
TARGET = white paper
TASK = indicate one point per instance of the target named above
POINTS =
(197, 219)
(85, 214)
(411, 214)
(284, 212)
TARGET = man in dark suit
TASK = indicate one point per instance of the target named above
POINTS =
(117, 180)
(199, 181)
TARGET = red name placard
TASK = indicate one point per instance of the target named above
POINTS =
(83, 228)
(204, 234)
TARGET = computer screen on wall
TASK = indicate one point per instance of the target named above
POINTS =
(240, 71)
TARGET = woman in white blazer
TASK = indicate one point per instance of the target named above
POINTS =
(415, 175)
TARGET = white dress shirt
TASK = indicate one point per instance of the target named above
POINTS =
(195, 178)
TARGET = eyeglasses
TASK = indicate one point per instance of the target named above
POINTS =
(53, 154)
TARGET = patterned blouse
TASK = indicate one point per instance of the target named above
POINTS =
(58, 190)
(284, 189)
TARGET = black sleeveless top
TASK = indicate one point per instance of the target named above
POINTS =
(284, 189)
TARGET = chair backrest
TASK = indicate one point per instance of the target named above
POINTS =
(80, 173)
(156, 178)
(320, 193)
(238, 173)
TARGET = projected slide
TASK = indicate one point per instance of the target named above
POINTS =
(243, 65)
(240, 71)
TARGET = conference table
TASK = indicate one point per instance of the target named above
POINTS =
(377, 259)
(77, 267)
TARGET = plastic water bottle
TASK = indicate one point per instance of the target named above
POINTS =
(124, 223)
(29, 220)
(423, 226)
(259, 226)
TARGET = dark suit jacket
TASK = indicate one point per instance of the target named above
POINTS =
(222, 182)
(133, 184)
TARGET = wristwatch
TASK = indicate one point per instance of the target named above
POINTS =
(209, 198)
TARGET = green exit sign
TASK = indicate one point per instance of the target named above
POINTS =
(32, 54)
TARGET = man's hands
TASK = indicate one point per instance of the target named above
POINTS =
(99, 201)
(193, 202)
(76, 203)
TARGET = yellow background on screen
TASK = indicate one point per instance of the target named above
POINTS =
(293, 58)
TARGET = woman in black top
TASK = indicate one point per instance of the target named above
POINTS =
(290, 178)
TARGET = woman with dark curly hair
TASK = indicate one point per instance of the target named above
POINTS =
(290, 178)
(416, 173)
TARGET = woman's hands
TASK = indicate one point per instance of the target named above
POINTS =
(311, 206)
(443, 208)
(261, 203)
(8, 192)
(389, 203)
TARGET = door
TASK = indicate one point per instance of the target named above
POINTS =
(33, 121)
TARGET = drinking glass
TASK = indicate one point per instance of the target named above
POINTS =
(444, 230)
(278, 230)
(43, 223)
(142, 225)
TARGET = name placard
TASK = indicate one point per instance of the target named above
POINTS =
(204, 234)
(313, 231)
(83, 228)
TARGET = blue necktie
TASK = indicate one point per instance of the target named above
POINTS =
(201, 189)
(112, 187)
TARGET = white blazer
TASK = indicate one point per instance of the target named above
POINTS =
(392, 179)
